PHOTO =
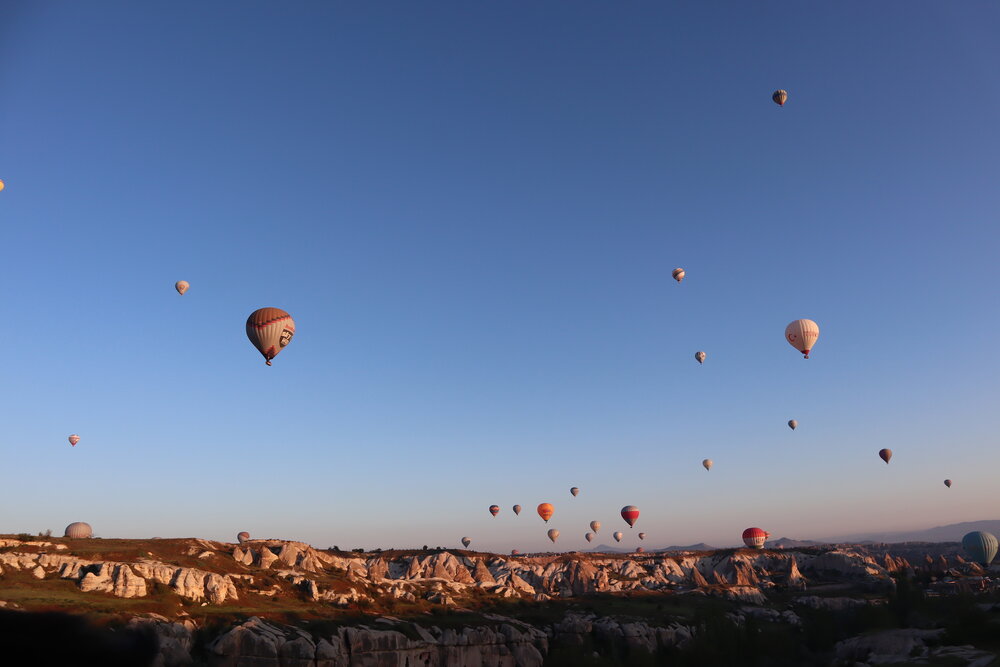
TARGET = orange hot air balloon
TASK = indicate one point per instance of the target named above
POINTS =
(780, 97)
(802, 335)
(181, 286)
(270, 330)
(631, 514)
(755, 537)
(73, 439)
(2, 185)
(494, 509)
(545, 511)
(885, 455)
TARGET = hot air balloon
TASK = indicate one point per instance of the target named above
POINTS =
(595, 526)
(618, 536)
(802, 335)
(545, 511)
(590, 537)
(2, 186)
(181, 286)
(678, 274)
(78, 530)
(466, 541)
(792, 424)
(755, 537)
(707, 463)
(73, 439)
(517, 509)
(780, 97)
(575, 491)
(642, 536)
(630, 513)
(242, 537)
(981, 547)
(270, 330)
(494, 509)
(700, 356)
(553, 534)
(639, 550)
(514, 552)
(947, 483)
(885, 455)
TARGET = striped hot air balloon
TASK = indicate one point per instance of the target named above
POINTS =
(494, 509)
(981, 546)
(631, 514)
(678, 274)
(545, 510)
(270, 330)
(780, 97)
(755, 537)
(802, 335)
(73, 439)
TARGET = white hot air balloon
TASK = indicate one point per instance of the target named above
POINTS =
(553, 534)
(590, 537)
(707, 463)
(618, 536)
(700, 356)
(595, 526)
(678, 274)
(802, 335)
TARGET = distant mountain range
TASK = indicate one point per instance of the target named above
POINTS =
(952, 532)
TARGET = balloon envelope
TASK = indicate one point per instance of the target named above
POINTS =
(494, 509)
(639, 550)
(545, 511)
(792, 424)
(642, 536)
(590, 537)
(242, 537)
(466, 541)
(754, 537)
(553, 534)
(79, 530)
(707, 463)
(678, 274)
(595, 526)
(981, 546)
(947, 483)
(517, 509)
(618, 536)
(630, 513)
(575, 491)
(780, 97)
(885, 455)
(2, 186)
(700, 356)
(181, 286)
(270, 330)
(73, 439)
(514, 552)
(802, 335)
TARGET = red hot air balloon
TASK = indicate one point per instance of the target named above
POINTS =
(885, 455)
(73, 439)
(494, 509)
(755, 537)
(631, 514)
(545, 510)
(947, 483)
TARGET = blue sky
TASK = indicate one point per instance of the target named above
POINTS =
(472, 211)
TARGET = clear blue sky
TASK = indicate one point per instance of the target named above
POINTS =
(472, 210)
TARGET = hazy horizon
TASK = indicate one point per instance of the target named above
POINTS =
(472, 212)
